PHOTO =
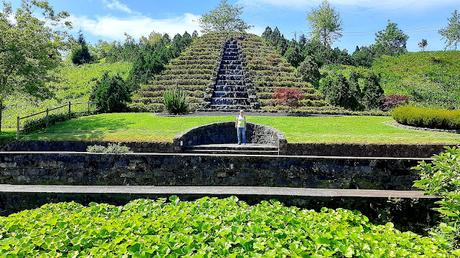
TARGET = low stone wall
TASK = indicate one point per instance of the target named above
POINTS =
(81, 146)
(195, 170)
(224, 133)
(300, 149)
(364, 150)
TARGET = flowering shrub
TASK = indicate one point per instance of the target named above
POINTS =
(392, 101)
(290, 97)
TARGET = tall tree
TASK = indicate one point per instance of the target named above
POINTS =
(80, 53)
(30, 47)
(391, 40)
(423, 44)
(225, 18)
(451, 33)
(325, 23)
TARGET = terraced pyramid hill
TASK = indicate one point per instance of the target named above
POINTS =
(227, 72)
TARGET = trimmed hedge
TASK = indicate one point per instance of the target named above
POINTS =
(208, 227)
(427, 117)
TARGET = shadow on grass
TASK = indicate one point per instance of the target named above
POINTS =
(84, 128)
(6, 136)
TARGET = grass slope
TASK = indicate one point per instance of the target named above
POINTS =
(75, 85)
(428, 77)
(148, 127)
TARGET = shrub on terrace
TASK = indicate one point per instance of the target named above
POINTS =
(427, 117)
(175, 101)
(442, 178)
(290, 97)
(336, 89)
(111, 94)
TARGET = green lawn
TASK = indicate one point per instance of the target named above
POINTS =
(148, 127)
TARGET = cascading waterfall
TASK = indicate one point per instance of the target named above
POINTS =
(230, 91)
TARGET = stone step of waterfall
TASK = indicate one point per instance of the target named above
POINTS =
(229, 108)
(230, 88)
(230, 94)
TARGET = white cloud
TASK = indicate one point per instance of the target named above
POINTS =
(118, 6)
(379, 4)
(114, 28)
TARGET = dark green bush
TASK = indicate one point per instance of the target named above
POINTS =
(337, 91)
(427, 117)
(309, 71)
(175, 101)
(208, 227)
(442, 178)
(111, 94)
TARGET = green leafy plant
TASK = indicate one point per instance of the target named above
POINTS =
(208, 227)
(442, 178)
(113, 148)
(111, 94)
(427, 117)
(175, 101)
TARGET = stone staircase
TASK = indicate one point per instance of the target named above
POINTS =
(246, 149)
(230, 91)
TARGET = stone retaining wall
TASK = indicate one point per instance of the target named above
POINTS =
(189, 169)
(225, 133)
(364, 150)
(302, 149)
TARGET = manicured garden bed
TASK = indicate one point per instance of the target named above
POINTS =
(204, 228)
(148, 127)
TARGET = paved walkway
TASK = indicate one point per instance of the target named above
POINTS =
(213, 190)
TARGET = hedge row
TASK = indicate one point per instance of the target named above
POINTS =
(427, 117)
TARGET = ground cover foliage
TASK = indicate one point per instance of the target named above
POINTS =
(151, 128)
(207, 227)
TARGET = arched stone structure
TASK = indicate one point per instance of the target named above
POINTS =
(225, 133)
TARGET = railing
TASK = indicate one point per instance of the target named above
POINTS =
(70, 109)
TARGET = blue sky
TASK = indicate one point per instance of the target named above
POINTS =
(110, 19)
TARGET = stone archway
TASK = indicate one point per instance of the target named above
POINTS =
(225, 133)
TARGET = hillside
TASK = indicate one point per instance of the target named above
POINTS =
(427, 77)
(204, 72)
(75, 85)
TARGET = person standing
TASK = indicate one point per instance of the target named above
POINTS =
(241, 128)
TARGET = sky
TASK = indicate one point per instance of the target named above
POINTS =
(110, 19)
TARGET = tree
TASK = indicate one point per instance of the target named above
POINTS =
(325, 24)
(423, 44)
(391, 40)
(309, 71)
(111, 94)
(451, 33)
(194, 34)
(336, 90)
(30, 47)
(373, 94)
(225, 18)
(363, 56)
(80, 54)
(293, 55)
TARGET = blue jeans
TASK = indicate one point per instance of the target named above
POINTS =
(241, 134)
